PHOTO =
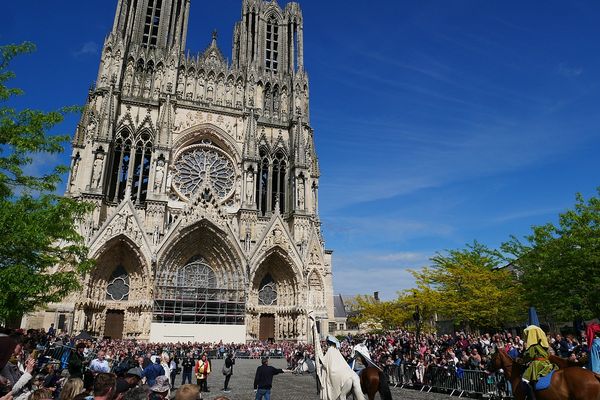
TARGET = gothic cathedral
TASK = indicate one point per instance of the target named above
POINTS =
(205, 179)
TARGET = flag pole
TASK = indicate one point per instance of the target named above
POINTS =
(317, 360)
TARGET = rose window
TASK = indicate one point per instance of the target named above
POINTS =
(118, 286)
(201, 166)
(267, 295)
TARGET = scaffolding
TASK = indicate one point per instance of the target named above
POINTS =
(194, 294)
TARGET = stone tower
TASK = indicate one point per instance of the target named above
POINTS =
(205, 181)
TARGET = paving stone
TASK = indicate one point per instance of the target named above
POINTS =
(285, 386)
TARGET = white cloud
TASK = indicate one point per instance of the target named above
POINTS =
(569, 71)
(365, 273)
(403, 256)
(88, 48)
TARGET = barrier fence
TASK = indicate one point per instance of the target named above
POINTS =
(459, 382)
(449, 380)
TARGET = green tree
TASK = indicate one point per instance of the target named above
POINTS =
(42, 256)
(559, 264)
(467, 286)
(378, 314)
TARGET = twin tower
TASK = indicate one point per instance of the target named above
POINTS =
(205, 179)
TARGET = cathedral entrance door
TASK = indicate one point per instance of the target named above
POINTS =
(267, 327)
(114, 324)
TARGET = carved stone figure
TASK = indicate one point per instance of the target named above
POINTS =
(159, 176)
(300, 193)
(250, 187)
(98, 171)
(75, 169)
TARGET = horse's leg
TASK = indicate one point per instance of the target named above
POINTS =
(356, 387)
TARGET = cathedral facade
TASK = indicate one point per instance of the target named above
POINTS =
(205, 180)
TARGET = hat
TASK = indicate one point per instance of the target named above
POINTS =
(137, 372)
(333, 340)
(122, 386)
(161, 385)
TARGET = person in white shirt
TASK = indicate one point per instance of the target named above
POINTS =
(99, 364)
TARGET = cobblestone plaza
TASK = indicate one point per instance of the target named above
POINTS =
(288, 386)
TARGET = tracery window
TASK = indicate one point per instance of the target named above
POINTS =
(201, 166)
(267, 295)
(271, 184)
(262, 183)
(152, 23)
(272, 45)
(196, 274)
(141, 168)
(118, 286)
(278, 182)
(120, 166)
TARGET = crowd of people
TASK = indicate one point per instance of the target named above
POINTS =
(37, 365)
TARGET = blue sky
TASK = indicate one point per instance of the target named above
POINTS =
(437, 122)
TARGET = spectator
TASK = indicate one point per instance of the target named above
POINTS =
(71, 388)
(76, 362)
(105, 386)
(187, 367)
(228, 370)
(160, 389)
(99, 364)
(41, 394)
(202, 372)
(187, 392)
(153, 371)
(133, 377)
(139, 393)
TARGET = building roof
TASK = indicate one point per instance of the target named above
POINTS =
(339, 311)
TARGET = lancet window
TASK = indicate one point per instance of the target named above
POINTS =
(272, 45)
(120, 165)
(278, 182)
(152, 23)
(262, 183)
(141, 167)
(272, 182)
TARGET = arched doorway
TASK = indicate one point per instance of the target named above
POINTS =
(274, 305)
(116, 302)
(200, 288)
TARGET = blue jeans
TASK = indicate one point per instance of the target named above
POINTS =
(186, 376)
(263, 392)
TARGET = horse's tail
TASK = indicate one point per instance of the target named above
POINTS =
(384, 387)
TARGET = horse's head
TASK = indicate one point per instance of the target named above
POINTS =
(500, 361)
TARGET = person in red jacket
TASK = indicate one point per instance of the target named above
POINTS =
(202, 371)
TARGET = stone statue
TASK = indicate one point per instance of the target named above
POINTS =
(250, 187)
(284, 102)
(159, 176)
(97, 171)
(300, 194)
(75, 169)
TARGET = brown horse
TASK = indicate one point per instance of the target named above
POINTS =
(372, 380)
(571, 383)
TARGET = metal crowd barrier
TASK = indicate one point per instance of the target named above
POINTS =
(450, 380)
